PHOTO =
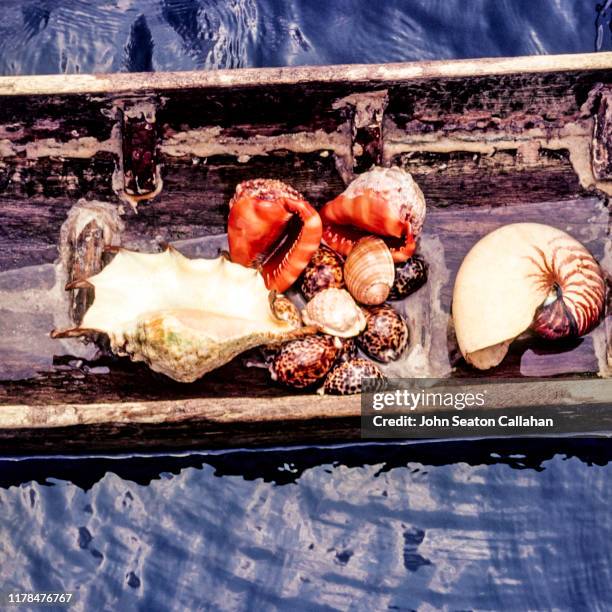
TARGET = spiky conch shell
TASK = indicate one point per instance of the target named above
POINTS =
(507, 280)
(183, 317)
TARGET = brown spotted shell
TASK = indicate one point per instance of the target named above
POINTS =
(323, 271)
(304, 362)
(347, 377)
(409, 277)
(369, 272)
(386, 334)
(284, 309)
(348, 350)
(334, 312)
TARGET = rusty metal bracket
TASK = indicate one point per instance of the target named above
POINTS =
(601, 149)
(139, 148)
(366, 114)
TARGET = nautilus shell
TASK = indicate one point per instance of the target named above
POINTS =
(183, 317)
(272, 227)
(323, 271)
(334, 312)
(385, 202)
(521, 276)
(347, 377)
(369, 272)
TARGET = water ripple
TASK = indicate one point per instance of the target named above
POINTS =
(355, 531)
(71, 36)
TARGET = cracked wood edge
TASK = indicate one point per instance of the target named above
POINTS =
(161, 81)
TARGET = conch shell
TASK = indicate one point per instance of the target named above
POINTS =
(385, 202)
(369, 272)
(183, 317)
(520, 276)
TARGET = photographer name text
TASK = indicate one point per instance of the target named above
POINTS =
(459, 421)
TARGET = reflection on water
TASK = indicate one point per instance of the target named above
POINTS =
(490, 525)
(69, 36)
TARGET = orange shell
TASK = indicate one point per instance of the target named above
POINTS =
(271, 226)
(385, 202)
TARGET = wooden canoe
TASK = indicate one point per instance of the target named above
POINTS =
(490, 141)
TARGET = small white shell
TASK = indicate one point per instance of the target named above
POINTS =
(334, 312)
(369, 272)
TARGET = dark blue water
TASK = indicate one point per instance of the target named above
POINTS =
(497, 525)
(67, 36)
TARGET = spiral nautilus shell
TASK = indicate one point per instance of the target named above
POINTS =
(521, 276)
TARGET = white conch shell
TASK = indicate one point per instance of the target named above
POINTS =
(512, 272)
(183, 317)
(334, 312)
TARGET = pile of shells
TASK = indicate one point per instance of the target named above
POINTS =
(186, 317)
(346, 303)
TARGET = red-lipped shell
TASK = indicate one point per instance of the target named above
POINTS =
(386, 334)
(323, 271)
(271, 226)
(383, 201)
(304, 362)
(347, 377)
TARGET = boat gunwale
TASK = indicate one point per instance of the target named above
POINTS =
(233, 410)
(133, 83)
(207, 415)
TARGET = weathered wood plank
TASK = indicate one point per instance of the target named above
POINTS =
(195, 196)
(144, 82)
(248, 421)
(193, 203)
